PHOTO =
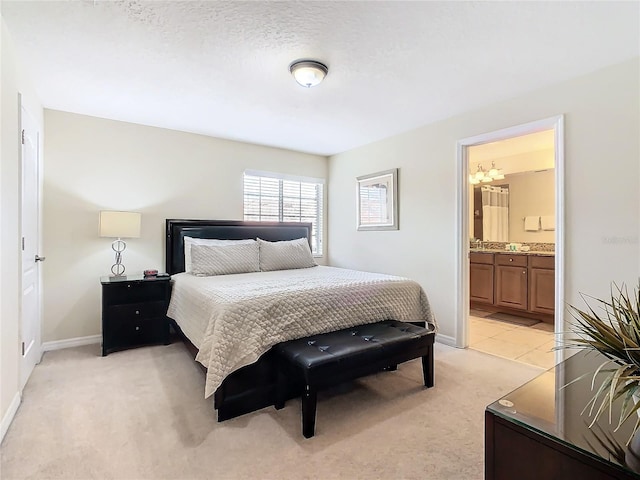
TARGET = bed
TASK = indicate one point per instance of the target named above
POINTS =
(232, 321)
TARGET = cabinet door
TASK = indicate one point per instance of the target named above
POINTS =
(542, 292)
(511, 287)
(481, 283)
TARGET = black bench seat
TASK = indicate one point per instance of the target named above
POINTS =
(328, 359)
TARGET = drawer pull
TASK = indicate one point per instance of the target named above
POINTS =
(137, 328)
(524, 272)
(511, 259)
(128, 285)
(137, 312)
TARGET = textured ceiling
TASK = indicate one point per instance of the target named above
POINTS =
(221, 68)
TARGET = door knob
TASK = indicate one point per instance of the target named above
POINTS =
(39, 258)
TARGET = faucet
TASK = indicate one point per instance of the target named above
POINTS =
(479, 244)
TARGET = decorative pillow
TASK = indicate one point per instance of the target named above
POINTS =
(189, 241)
(224, 259)
(285, 255)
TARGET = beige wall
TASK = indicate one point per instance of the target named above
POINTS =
(601, 189)
(96, 164)
(532, 194)
(12, 82)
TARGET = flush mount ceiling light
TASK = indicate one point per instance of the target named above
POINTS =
(308, 73)
(483, 176)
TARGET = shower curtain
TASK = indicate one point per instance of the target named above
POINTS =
(495, 214)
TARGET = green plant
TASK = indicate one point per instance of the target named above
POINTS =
(613, 329)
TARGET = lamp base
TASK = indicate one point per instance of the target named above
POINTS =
(118, 268)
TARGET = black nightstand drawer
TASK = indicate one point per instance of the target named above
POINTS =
(136, 311)
(130, 292)
(125, 332)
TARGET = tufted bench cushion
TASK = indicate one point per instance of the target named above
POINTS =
(330, 358)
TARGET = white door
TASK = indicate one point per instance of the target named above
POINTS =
(30, 301)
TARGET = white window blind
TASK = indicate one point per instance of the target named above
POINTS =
(271, 197)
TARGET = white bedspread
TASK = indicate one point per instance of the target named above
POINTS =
(234, 319)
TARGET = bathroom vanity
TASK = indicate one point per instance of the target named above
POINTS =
(520, 283)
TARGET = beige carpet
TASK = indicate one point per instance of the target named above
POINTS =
(140, 414)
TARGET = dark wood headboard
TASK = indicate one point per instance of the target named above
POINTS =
(226, 230)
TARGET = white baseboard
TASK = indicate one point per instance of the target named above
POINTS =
(8, 416)
(446, 340)
(71, 342)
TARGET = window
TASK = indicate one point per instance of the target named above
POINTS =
(271, 197)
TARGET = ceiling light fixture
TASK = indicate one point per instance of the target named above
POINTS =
(308, 73)
(483, 176)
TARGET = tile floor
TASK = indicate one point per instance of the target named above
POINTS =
(531, 345)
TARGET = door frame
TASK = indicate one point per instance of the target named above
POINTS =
(556, 124)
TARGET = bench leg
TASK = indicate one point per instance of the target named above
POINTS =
(427, 368)
(309, 400)
(281, 390)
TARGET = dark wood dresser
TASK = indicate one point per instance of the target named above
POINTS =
(134, 311)
(537, 432)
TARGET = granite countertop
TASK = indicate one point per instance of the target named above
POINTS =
(510, 252)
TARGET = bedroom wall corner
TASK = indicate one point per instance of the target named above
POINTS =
(97, 164)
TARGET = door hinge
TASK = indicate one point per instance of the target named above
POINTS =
(23, 349)
(23, 243)
(23, 136)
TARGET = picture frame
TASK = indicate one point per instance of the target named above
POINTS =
(377, 201)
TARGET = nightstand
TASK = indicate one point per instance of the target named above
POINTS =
(134, 311)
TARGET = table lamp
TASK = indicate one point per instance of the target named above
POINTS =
(119, 225)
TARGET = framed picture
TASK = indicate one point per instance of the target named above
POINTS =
(377, 200)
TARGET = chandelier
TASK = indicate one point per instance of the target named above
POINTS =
(484, 176)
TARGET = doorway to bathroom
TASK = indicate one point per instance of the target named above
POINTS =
(510, 215)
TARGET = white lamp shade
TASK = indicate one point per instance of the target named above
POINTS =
(120, 224)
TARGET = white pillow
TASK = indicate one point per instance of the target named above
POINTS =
(285, 255)
(224, 259)
(189, 241)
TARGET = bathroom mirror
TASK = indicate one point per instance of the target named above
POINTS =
(523, 172)
(508, 202)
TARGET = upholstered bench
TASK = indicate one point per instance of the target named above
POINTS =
(327, 359)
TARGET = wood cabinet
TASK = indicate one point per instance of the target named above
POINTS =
(481, 277)
(542, 284)
(514, 282)
(525, 439)
(509, 446)
(511, 281)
